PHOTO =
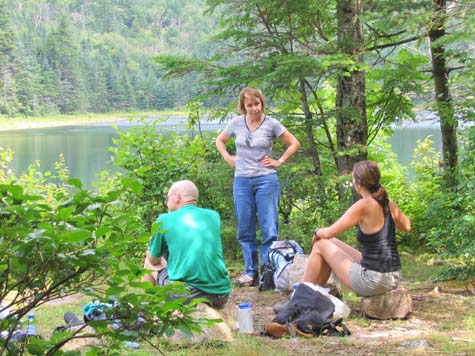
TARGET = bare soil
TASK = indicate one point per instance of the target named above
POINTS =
(441, 324)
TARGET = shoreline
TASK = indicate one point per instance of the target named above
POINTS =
(41, 125)
(14, 124)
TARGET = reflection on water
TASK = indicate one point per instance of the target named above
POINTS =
(404, 140)
(85, 148)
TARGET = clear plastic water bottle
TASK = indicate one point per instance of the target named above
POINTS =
(244, 317)
(31, 329)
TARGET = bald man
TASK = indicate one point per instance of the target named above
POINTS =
(190, 238)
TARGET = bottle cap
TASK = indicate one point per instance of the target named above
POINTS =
(245, 305)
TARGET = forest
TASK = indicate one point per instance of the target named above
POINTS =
(340, 74)
(95, 56)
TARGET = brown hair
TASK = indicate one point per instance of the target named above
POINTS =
(250, 92)
(367, 174)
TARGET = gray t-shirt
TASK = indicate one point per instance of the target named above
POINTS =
(251, 147)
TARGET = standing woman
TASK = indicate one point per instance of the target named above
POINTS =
(376, 269)
(256, 187)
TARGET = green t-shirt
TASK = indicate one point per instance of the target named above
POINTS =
(190, 237)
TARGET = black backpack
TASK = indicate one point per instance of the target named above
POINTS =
(311, 313)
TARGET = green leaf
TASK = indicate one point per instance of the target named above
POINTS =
(35, 349)
(75, 182)
(115, 290)
(76, 236)
(103, 231)
(65, 213)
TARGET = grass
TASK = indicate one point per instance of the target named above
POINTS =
(49, 316)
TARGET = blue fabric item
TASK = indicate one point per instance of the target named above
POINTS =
(256, 196)
(95, 310)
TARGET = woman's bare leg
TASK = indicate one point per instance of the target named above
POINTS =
(328, 255)
(353, 253)
(316, 269)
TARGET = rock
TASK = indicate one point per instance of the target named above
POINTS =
(415, 344)
(335, 286)
(395, 304)
(296, 269)
(217, 332)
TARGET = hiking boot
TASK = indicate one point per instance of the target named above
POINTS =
(277, 308)
(276, 329)
(246, 280)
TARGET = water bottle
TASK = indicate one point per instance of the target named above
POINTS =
(31, 329)
(244, 317)
(132, 344)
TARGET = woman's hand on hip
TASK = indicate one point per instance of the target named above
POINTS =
(231, 160)
(268, 161)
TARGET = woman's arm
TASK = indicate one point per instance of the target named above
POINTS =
(292, 146)
(221, 142)
(402, 222)
(349, 219)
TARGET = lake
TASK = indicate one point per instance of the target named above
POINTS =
(85, 148)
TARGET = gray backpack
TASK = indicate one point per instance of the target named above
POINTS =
(276, 273)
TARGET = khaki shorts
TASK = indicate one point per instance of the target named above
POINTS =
(214, 300)
(367, 283)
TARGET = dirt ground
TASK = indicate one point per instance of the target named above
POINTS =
(440, 324)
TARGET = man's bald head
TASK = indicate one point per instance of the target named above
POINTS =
(187, 191)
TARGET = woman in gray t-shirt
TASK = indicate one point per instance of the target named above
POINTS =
(256, 188)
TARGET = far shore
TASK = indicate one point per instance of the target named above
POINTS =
(20, 123)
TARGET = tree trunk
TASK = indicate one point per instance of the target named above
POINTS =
(310, 129)
(448, 123)
(352, 128)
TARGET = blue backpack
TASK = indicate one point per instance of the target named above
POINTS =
(274, 273)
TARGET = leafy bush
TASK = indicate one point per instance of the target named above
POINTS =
(59, 239)
(158, 158)
(451, 213)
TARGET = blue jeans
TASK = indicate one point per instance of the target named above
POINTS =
(256, 196)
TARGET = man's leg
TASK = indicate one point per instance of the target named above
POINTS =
(152, 278)
(214, 300)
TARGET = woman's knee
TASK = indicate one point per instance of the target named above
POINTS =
(322, 245)
(316, 249)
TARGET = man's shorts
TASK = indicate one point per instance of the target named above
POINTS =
(367, 283)
(215, 300)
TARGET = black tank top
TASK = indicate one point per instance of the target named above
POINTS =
(379, 250)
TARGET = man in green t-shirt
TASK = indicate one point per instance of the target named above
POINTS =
(189, 237)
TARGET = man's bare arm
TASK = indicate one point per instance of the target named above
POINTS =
(154, 263)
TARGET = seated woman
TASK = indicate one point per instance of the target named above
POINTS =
(376, 269)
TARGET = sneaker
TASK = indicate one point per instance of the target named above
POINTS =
(246, 281)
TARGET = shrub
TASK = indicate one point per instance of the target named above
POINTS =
(59, 239)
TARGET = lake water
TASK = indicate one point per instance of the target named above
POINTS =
(85, 148)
